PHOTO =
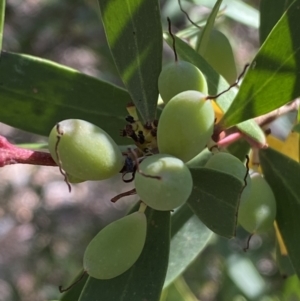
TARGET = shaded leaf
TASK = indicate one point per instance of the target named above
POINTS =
(144, 281)
(134, 34)
(297, 128)
(38, 93)
(283, 174)
(284, 263)
(270, 13)
(239, 149)
(215, 200)
(186, 243)
(273, 78)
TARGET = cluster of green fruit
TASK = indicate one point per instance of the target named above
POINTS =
(163, 181)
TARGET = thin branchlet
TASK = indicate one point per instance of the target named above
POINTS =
(243, 187)
(231, 86)
(248, 243)
(123, 194)
(59, 135)
(187, 15)
(173, 38)
(62, 290)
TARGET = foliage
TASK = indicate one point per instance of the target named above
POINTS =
(37, 93)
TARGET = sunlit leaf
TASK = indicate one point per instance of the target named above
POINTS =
(283, 174)
(134, 34)
(38, 93)
(273, 77)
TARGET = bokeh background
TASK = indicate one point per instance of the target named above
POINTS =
(44, 229)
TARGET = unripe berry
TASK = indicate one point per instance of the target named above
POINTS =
(180, 76)
(185, 125)
(116, 247)
(85, 151)
(257, 213)
(170, 189)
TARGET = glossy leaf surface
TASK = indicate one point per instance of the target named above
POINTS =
(145, 279)
(273, 77)
(38, 93)
(283, 174)
(134, 34)
(215, 200)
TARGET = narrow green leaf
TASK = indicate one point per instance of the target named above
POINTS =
(37, 93)
(144, 281)
(273, 77)
(251, 129)
(270, 13)
(203, 39)
(2, 17)
(186, 244)
(215, 200)
(216, 83)
(134, 34)
(283, 174)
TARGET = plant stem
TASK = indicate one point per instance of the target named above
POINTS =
(11, 154)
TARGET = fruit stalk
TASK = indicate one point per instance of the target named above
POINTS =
(11, 154)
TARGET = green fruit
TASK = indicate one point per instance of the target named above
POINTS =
(173, 187)
(219, 55)
(185, 125)
(230, 164)
(116, 247)
(180, 76)
(257, 213)
(86, 152)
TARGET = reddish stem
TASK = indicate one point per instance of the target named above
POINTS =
(11, 154)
